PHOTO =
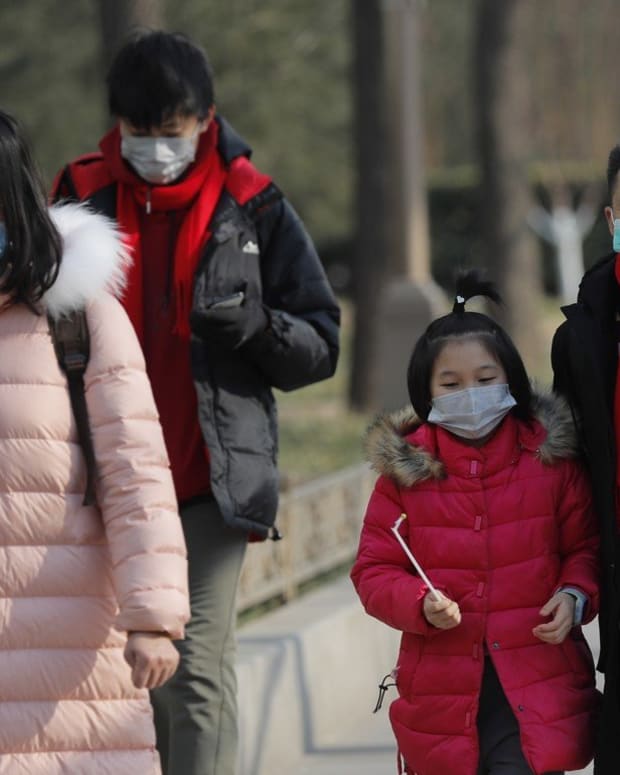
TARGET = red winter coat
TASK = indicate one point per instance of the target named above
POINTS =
(499, 529)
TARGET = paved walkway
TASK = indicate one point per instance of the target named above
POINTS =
(366, 746)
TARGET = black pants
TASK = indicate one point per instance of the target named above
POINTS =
(498, 731)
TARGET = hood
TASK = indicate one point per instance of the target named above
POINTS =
(392, 455)
(94, 259)
(230, 144)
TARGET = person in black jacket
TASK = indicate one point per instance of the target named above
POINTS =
(585, 364)
(229, 299)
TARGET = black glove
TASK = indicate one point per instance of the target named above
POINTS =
(229, 327)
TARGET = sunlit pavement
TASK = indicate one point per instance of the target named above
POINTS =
(375, 753)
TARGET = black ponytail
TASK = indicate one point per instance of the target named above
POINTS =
(471, 283)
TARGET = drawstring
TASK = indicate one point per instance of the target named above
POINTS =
(383, 687)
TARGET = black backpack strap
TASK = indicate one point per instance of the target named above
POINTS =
(72, 345)
(63, 187)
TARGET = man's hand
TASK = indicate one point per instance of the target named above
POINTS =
(561, 608)
(152, 657)
(443, 614)
(229, 327)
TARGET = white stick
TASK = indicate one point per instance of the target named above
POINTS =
(436, 594)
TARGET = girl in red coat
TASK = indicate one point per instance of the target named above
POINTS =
(494, 674)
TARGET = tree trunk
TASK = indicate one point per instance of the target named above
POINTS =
(119, 17)
(502, 106)
(370, 253)
(407, 232)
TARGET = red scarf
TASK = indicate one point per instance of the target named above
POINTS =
(198, 193)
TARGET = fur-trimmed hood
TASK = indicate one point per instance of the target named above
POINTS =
(94, 259)
(392, 455)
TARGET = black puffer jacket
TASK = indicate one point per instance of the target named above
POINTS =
(263, 247)
(585, 360)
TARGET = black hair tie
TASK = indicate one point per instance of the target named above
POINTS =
(459, 305)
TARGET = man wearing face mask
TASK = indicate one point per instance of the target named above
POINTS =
(585, 367)
(229, 299)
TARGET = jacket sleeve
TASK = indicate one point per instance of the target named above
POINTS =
(579, 539)
(388, 586)
(134, 484)
(300, 345)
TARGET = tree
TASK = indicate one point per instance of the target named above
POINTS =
(503, 138)
(370, 164)
(118, 17)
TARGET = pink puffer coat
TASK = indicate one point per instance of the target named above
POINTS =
(74, 579)
(499, 529)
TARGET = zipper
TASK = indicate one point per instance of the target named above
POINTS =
(148, 201)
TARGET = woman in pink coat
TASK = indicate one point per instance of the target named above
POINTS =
(90, 596)
(494, 674)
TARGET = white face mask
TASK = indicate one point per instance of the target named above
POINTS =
(616, 240)
(472, 413)
(159, 160)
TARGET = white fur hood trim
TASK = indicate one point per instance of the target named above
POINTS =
(94, 259)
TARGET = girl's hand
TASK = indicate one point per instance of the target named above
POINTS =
(562, 607)
(443, 614)
(152, 657)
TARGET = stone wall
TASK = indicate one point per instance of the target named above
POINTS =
(320, 523)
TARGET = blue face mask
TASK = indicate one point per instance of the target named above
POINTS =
(617, 235)
(3, 239)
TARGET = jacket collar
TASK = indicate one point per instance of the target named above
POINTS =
(409, 451)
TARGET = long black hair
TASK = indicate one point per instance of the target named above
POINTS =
(32, 257)
(459, 324)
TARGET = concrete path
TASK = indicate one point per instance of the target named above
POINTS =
(308, 676)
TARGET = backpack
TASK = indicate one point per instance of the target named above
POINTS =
(72, 345)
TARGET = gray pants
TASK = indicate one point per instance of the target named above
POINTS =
(196, 711)
(498, 731)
